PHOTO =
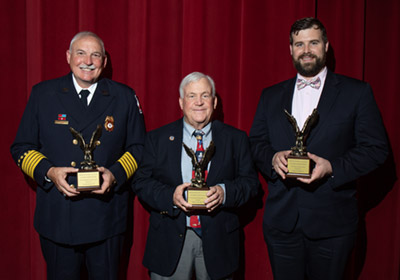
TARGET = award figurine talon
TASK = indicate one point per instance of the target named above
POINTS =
(299, 164)
(197, 192)
(88, 177)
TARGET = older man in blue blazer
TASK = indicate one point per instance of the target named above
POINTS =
(176, 247)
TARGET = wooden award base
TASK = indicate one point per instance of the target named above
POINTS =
(88, 180)
(196, 197)
(299, 167)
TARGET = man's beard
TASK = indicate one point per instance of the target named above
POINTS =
(310, 69)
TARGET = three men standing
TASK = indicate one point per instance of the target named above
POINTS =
(309, 223)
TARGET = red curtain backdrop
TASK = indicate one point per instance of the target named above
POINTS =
(243, 45)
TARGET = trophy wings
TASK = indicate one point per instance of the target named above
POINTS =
(208, 154)
(191, 154)
(293, 121)
(95, 137)
(309, 123)
(78, 137)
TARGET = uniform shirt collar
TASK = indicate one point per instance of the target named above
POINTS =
(78, 88)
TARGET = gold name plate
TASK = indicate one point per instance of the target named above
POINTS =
(197, 196)
(299, 166)
(88, 180)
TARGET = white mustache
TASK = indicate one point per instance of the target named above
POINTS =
(84, 66)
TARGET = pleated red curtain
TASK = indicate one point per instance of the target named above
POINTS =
(244, 46)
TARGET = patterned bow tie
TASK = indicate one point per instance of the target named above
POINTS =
(303, 83)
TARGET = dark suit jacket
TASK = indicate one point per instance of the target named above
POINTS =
(87, 218)
(155, 183)
(349, 134)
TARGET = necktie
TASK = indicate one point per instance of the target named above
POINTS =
(84, 95)
(200, 148)
(195, 219)
(301, 83)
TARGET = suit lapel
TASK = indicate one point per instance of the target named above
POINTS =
(101, 101)
(174, 150)
(288, 89)
(70, 99)
(326, 102)
(217, 130)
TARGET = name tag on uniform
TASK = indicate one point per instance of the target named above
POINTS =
(61, 119)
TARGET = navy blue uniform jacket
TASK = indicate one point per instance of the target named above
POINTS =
(43, 140)
(349, 133)
(155, 183)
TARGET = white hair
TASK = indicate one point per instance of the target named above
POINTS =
(83, 34)
(194, 77)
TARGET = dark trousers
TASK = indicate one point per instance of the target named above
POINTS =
(294, 256)
(65, 261)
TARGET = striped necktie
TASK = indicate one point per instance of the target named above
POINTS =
(195, 219)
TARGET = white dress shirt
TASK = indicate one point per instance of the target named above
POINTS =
(91, 89)
(306, 100)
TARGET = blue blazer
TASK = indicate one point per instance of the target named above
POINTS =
(155, 183)
(349, 133)
(42, 132)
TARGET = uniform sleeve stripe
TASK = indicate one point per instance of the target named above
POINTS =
(129, 164)
(29, 162)
(33, 163)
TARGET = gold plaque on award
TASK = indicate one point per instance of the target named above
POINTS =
(299, 164)
(88, 177)
(197, 196)
(197, 192)
(88, 180)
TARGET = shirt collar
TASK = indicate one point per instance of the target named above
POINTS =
(78, 88)
(187, 128)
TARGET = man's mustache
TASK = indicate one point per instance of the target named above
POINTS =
(84, 66)
(308, 54)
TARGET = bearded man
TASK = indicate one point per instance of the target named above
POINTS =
(310, 224)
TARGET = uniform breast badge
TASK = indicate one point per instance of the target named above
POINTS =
(109, 123)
